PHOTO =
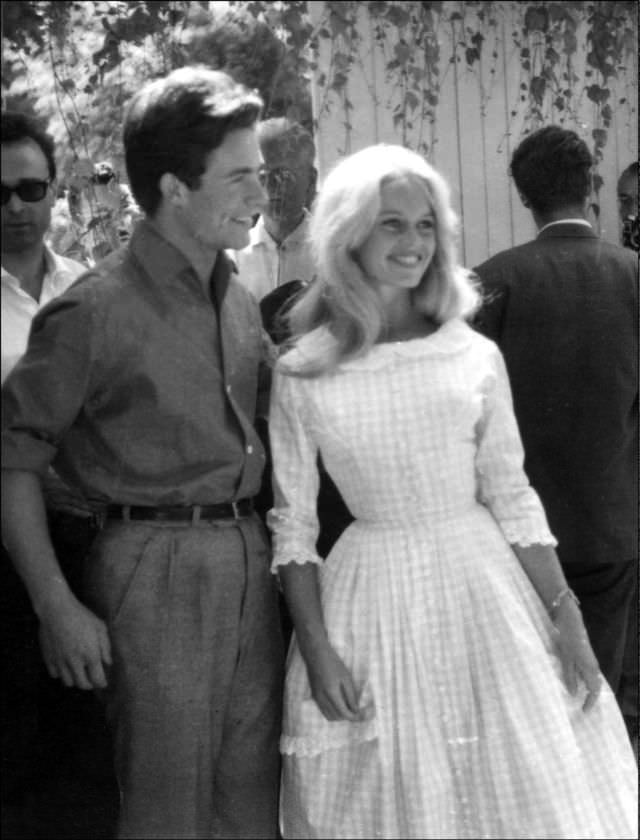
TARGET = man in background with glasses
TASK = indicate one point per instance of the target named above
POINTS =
(278, 252)
(276, 266)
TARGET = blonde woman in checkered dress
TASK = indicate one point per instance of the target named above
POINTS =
(440, 682)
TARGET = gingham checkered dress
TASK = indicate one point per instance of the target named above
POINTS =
(474, 733)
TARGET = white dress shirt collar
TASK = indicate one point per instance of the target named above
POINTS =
(583, 222)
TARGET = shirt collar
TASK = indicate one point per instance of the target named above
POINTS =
(156, 254)
(162, 260)
(59, 271)
(258, 235)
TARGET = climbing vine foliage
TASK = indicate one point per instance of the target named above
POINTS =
(76, 64)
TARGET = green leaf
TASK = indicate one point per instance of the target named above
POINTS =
(598, 94)
(397, 15)
(570, 42)
(411, 100)
(537, 88)
(551, 55)
(471, 54)
(536, 19)
(402, 52)
(600, 137)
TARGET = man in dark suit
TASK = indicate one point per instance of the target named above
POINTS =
(563, 309)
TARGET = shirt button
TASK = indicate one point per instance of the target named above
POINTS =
(250, 449)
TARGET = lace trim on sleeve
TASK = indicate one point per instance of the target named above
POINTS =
(299, 554)
(527, 533)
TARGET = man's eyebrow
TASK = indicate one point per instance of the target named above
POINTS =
(243, 170)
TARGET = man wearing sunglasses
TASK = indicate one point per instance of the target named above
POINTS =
(43, 724)
(32, 274)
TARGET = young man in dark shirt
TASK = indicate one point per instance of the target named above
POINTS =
(140, 385)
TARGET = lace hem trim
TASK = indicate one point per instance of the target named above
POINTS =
(306, 746)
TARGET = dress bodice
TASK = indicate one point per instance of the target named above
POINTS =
(413, 432)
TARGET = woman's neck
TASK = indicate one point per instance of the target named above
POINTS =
(402, 321)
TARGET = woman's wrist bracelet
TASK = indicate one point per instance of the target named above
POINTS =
(565, 593)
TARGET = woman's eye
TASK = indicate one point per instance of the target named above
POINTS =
(392, 224)
(427, 224)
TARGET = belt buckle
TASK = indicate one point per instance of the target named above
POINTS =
(98, 519)
(236, 512)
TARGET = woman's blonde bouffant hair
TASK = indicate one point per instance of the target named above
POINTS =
(340, 316)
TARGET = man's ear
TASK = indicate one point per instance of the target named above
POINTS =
(173, 191)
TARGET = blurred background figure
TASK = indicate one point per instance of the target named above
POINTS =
(628, 691)
(276, 266)
(628, 206)
(278, 252)
(102, 209)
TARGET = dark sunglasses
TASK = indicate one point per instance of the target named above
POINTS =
(28, 190)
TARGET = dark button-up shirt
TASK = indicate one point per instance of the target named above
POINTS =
(138, 387)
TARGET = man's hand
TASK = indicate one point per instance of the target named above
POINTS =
(75, 644)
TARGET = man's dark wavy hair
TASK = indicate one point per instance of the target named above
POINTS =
(174, 123)
(16, 126)
(552, 169)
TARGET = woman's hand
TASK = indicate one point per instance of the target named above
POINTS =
(576, 655)
(332, 686)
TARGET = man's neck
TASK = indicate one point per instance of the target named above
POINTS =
(29, 268)
(560, 214)
(279, 229)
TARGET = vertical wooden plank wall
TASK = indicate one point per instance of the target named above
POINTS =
(474, 130)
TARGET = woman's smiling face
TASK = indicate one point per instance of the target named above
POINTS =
(401, 245)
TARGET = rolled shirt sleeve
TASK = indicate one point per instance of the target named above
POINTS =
(46, 390)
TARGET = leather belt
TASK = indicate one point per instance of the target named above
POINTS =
(193, 513)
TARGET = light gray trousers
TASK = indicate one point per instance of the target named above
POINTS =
(195, 691)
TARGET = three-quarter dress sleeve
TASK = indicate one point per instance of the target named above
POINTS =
(293, 519)
(502, 484)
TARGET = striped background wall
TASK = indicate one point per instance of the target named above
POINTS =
(473, 132)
